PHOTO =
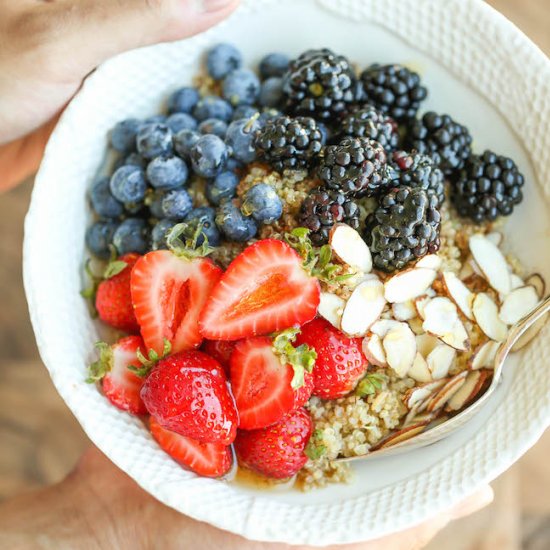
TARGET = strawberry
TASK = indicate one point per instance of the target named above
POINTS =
(168, 292)
(265, 289)
(205, 459)
(188, 394)
(276, 451)
(220, 350)
(340, 362)
(120, 385)
(262, 384)
(113, 300)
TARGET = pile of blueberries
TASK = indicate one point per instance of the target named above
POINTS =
(211, 137)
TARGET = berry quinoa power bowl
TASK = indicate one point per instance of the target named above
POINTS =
(285, 255)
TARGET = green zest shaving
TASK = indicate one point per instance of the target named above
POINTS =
(114, 267)
(315, 449)
(147, 363)
(98, 369)
(188, 248)
(317, 261)
(370, 384)
(301, 359)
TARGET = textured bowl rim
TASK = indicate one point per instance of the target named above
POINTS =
(282, 525)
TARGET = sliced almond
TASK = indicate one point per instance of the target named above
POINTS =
(486, 315)
(383, 326)
(516, 281)
(420, 304)
(331, 308)
(400, 347)
(536, 280)
(419, 370)
(484, 355)
(439, 400)
(416, 325)
(431, 261)
(409, 284)
(419, 394)
(401, 435)
(363, 307)
(530, 333)
(492, 263)
(440, 316)
(425, 343)
(349, 247)
(466, 271)
(440, 360)
(404, 311)
(458, 337)
(496, 237)
(374, 351)
(459, 293)
(518, 304)
(467, 393)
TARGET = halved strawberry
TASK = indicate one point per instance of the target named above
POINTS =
(265, 289)
(261, 384)
(120, 385)
(220, 350)
(205, 459)
(169, 293)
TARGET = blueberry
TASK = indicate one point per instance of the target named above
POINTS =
(183, 100)
(158, 234)
(154, 140)
(133, 159)
(241, 87)
(167, 172)
(208, 156)
(240, 139)
(99, 237)
(176, 204)
(244, 111)
(222, 187)
(222, 59)
(155, 119)
(268, 113)
(234, 224)
(123, 135)
(128, 184)
(154, 201)
(206, 218)
(262, 203)
(181, 121)
(212, 107)
(213, 126)
(184, 141)
(134, 208)
(232, 164)
(274, 64)
(324, 132)
(132, 235)
(271, 92)
(103, 201)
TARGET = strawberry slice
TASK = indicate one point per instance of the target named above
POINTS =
(120, 385)
(205, 459)
(265, 289)
(262, 384)
(168, 293)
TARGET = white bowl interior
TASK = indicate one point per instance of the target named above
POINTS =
(386, 494)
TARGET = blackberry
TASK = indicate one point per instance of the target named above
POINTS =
(289, 143)
(403, 228)
(393, 89)
(368, 122)
(320, 83)
(446, 141)
(415, 170)
(323, 208)
(488, 186)
(356, 166)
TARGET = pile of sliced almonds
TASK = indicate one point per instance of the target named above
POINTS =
(419, 321)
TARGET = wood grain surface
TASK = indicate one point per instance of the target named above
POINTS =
(40, 440)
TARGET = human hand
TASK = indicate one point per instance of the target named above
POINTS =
(47, 48)
(98, 506)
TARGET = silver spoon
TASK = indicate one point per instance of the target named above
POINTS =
(446, 428)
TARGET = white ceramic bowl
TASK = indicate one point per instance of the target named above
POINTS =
(481, 70)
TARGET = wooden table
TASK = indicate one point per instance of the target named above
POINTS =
(40, 440)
